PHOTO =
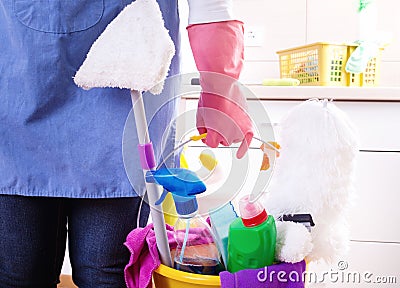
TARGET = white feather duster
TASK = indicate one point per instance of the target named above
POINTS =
(314, 174)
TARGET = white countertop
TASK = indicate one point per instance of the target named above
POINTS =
(336, 93)
(321, 92)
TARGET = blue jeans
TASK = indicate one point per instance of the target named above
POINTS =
(33, 234)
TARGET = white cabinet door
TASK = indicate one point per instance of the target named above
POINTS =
(376, 214)
(378, 124)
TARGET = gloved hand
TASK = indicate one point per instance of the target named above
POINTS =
(222, 111)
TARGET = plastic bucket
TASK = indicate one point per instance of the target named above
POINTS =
(166, 277)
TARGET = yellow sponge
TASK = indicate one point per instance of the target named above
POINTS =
(281, 82)
(208, 161)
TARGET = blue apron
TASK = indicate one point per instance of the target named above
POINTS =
(55, 138)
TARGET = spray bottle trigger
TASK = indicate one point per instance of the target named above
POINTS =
(178, 181)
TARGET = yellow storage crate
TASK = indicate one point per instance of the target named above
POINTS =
(323, 64)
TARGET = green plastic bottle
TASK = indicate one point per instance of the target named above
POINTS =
(252, 238)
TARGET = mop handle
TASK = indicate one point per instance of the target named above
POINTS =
(154, 191)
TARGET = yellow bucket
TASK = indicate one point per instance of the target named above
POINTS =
(166, 277)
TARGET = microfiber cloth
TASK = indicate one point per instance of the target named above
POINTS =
(134, 51)
(220, 220)
(141, 242)
(282, 275)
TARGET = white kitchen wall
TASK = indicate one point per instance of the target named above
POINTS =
(290, 23)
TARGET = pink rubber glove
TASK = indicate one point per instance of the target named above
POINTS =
(222, 109)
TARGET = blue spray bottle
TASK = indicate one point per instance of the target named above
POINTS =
(196, 251)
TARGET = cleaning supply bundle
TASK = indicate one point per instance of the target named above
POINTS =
(144, 44)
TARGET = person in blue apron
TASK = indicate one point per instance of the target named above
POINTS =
(61, 164)
(60, 146)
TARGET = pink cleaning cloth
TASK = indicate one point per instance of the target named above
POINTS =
(144, 259)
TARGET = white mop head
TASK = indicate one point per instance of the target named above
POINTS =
(314, 173)
(134, 51)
